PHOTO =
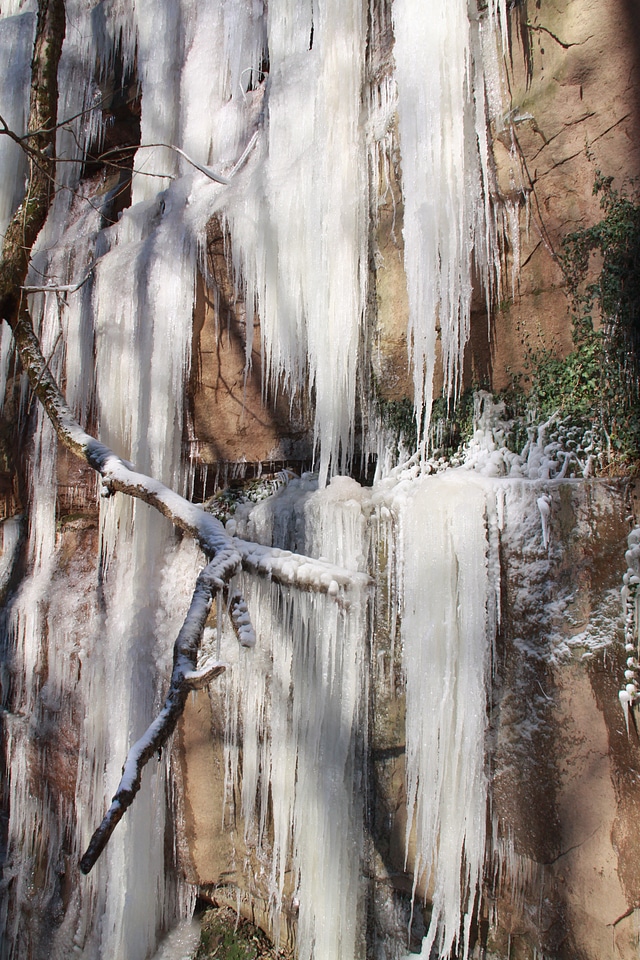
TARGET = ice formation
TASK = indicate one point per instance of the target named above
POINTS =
(297, 711)
(257, 116)
(441, 560)
(449, 223)
(309, 281)
(629, 693)
(448, 618)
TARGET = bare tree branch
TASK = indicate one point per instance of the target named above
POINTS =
(60, 288)
(22, 141)
(208, 172)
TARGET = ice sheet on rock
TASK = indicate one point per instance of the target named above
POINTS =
(10, 535)
(181, 943)
(218, 96)
(300, 701)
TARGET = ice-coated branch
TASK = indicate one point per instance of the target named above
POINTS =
(59, 288)
(241, 620)
(207, 171)
(184, 677)
(296, 570)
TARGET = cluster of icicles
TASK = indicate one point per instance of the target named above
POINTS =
(114, 317)
(629, 694)
(297, 707)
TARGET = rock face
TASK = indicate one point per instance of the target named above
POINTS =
(562, 879)
(574, 82)
(563, 761)
(571, 110)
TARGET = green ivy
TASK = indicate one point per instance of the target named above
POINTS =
(596, 385)
(451, 424)
(398, 416)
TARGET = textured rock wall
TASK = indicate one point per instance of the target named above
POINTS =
(562, 763)
(574, 82)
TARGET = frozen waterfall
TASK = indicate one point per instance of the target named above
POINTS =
(266, 117)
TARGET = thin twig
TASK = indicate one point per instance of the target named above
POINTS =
(62, 288)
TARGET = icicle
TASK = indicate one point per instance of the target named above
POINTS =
(6, 344)
(544, 506)
(448, 224)
(10, 530)
(298, 222)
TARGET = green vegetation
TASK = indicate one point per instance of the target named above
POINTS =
(596, 386)
(451, 425)
(398, 417)
(225, 936)
(591, 396)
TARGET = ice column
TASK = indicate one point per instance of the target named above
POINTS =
(447, 620)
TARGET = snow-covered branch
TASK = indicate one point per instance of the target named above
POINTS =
(184, 677)
(296, 570)
(59, 288)
(227, 555)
